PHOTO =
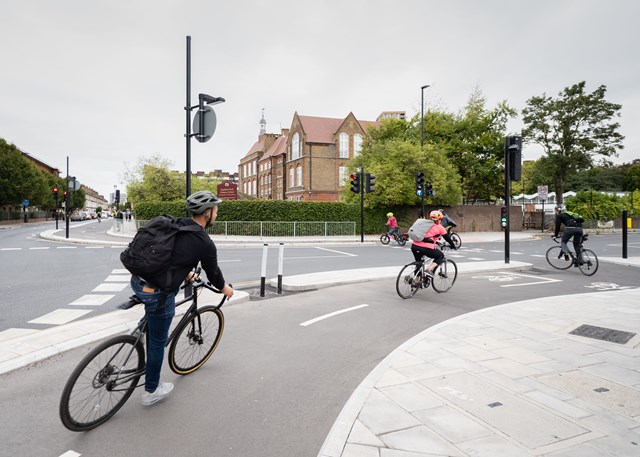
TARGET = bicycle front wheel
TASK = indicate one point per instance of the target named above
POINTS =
(588, 263)
(196, 340)
(444, 276)
(401, 239)
(407, 284)
(557, 259)
(384, 239)
(457, 241)
(102, 383)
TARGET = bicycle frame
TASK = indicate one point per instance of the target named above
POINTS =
(141, 330)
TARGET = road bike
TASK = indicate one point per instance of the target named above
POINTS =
(586, 261)
(455, 238)
(400, 238)
(107, 376)
(413, 276)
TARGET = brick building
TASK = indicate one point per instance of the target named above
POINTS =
(307, 162)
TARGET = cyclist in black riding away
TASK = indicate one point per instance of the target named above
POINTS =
(191, 248)
(572, 228)
(448, 224)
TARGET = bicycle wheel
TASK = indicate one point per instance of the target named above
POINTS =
(384, 239)
(401, 239)
(588, 263)
(406, 281)
(101, 383)
(444, 276)
(196, 340)
(558, 260)
(457, 241)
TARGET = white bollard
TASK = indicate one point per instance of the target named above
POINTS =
(263, 273)
(280, 262)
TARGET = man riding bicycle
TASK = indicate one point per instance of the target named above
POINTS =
(572, 228)
(191, 248)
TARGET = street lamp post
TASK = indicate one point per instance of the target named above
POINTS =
(422, 88)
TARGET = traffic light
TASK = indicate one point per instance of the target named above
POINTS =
(66, 196)
(55, 193)
(503, 217)
(513, 145)
(355, 183)
(117, 197)
(429, 190)
(419, 183)
(371, 182)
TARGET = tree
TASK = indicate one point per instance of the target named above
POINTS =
(395, 164)
(572, 129)
(19, 178)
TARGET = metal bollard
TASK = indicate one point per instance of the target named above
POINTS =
(263, 273)
(280, 262)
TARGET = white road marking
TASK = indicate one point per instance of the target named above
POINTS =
(118, 278)
(538, 255)
(338, 252)
(70, 454)
(39, 248)
(118, 271)
(60, 316)
(316, 257)
(476, 258)
(507, 276)
(92, 300)
(11, 249)
(335, 313)
(66, 247)
(111, 287)
(94, 247)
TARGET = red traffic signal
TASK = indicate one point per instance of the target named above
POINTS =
(355, 182)
(55, 192)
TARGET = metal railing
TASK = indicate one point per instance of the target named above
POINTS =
(277, 229)
(268, 229)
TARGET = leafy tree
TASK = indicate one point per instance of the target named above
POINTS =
(395, 164)
(632, 176)
(601, 178)
(572, 129)
(19, 178)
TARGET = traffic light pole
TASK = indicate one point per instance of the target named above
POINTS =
(66, 202)
(507, 198)
(362, 205)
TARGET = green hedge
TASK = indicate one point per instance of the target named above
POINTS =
(280, 210)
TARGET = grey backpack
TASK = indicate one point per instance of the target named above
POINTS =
(419, 229)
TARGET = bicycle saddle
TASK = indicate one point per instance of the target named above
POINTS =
(133, 301)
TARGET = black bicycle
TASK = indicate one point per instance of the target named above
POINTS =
(107, 376)
(457, 241)
(413, 276)
(400, 238)
(586, 261)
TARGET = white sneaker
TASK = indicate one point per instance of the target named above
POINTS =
(161, 392)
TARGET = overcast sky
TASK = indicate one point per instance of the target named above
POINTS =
(103, 82)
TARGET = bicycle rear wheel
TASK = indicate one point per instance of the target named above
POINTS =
(384, 239)
(558, 260)
(406, 284)
(401, 239)
(196, 340)
(588, 263)
(101, 383)
(457, 241)
(444, 276)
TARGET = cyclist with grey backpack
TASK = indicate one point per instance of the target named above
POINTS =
(427, 245)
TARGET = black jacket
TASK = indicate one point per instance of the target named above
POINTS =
(568, 221)
(191, 248)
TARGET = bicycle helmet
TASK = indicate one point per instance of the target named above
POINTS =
(389, 214)
(561, 208)
(201, 201)
(435, 215)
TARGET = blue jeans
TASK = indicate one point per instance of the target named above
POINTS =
(159, 311)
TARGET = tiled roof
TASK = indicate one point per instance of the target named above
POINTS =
(323, 129)
(278, 147)
(257, 146)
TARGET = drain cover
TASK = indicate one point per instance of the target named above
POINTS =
(602, 333)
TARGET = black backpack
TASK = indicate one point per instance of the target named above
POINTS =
(149, 253)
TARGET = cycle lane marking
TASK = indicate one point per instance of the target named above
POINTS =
(506, 276)
(338, 252)
(335, 313)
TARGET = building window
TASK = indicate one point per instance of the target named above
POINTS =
(299, 172)
(357, 144)
(342, 175)
(295, 146)
(291, 176)
(344, 145)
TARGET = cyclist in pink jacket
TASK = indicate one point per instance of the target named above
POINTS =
(428, 245)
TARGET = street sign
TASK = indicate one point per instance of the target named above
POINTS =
(25, 203)
(228, 190)
(543, 192)
(209, 122)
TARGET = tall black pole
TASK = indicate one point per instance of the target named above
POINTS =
(67, 200)
(422, 113)
(187, 109)
(507, 198)
(362, 205)
(624, 233)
